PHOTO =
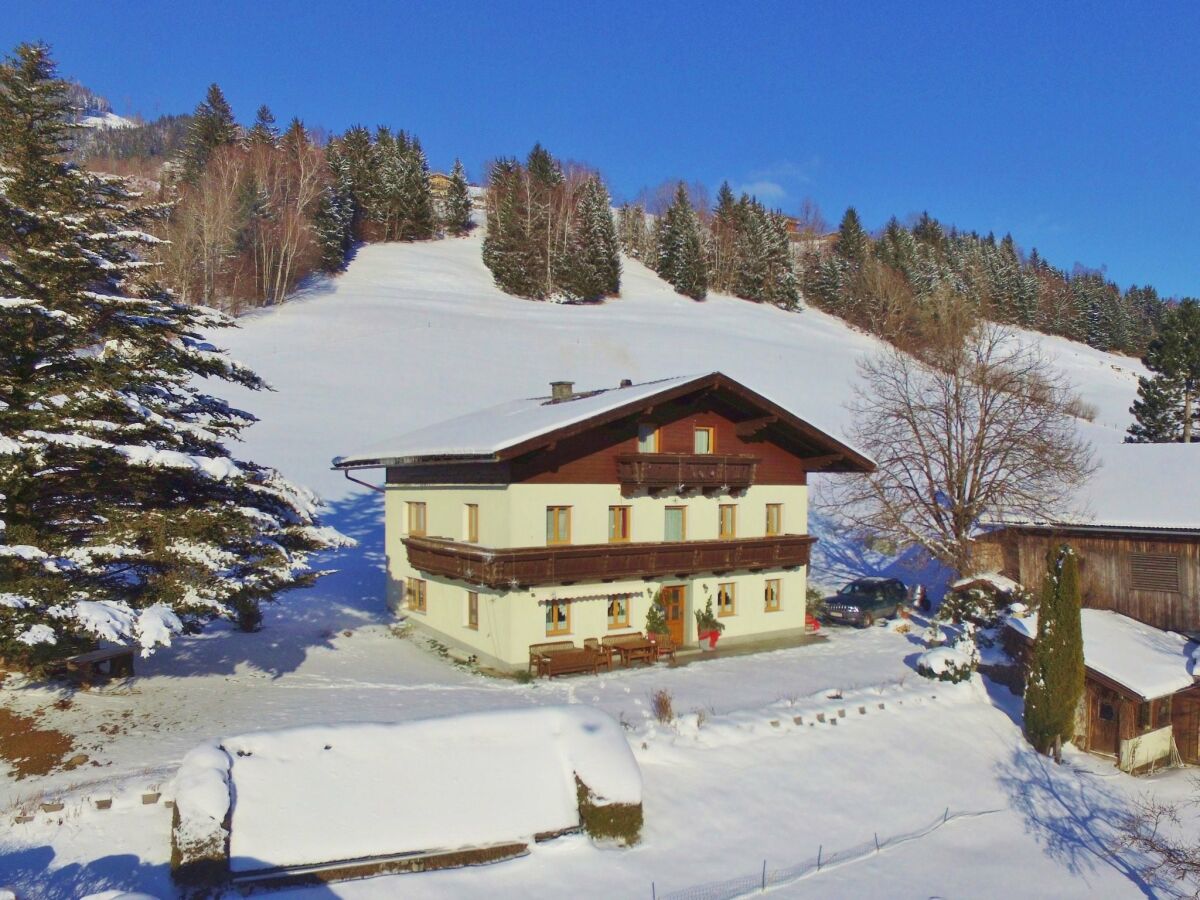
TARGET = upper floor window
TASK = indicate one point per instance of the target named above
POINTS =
(728, 527)
(704, 439)
(558, 524)
(471, 523)
(774, 518)
(618, 523)
(675, 528)
(416, 518)
(647, 437)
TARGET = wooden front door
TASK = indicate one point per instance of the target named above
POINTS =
(1104, 711)
(673, 600)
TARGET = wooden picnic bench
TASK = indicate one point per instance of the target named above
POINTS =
(606, 652)
(631, 647)
(96, 665)
(663, 646)
(563, 658)
(537, 652)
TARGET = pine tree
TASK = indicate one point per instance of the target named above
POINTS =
(333, 221)
(1169, 406)
(681, 259)
(592, 267)
(212, 126)
(263, 132)
(1157, 412)
(123, 513)
(509, 250)
(416, 217)
(632, 232)
(1055, 683)
(726, 229)
(853, 242)
(456, 212)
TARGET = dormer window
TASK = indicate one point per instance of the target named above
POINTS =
(703, 440)
(647, 437)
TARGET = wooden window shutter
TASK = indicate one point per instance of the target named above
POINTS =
(1154, 572)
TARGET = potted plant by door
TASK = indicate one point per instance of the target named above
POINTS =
(708, 627)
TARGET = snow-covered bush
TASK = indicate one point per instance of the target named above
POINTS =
(946, 664)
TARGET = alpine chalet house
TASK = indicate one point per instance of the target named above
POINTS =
(564, 517)
(1138, 546)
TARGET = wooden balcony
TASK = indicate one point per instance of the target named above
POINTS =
(681, 472)
(521, 567)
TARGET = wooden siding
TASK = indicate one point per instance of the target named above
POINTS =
(1185, 724)
(1107, 572)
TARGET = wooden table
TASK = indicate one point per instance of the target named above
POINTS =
(631, 651)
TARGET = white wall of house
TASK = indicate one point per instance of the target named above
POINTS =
(515, 516)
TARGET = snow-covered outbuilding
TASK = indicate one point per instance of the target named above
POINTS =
(1141, 703)
(564, 517)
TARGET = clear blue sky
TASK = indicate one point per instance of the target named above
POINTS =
(1074, 126)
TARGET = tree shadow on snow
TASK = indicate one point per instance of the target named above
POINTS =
(1073, 815)
(353, 595)
(29, 872)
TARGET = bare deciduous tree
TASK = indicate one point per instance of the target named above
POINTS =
(1153, 830)
(972, 430)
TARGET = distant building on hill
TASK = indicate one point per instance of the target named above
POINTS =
(564, 517)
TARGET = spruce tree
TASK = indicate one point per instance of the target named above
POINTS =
(263, 132)
(632, 232)
(853, 242)
(456, 211)
(681, 259)
(123, 513)
(592, 267)
(1055, 683)
(212, 126)
(1174, 358)
(416, 218)
(509, 251)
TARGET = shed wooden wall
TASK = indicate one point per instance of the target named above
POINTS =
(1105, 576)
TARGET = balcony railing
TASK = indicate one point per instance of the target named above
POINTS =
(520, 567)
(685, 471)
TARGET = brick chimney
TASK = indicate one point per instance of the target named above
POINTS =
(561, 390)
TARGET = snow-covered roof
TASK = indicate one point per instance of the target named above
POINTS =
(1138, 486)
(1148, 661)
(484, 434)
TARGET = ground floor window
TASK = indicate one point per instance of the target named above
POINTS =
(618, 612)
(414, 594)
(772, 594)
(726, 598)
(472, 610)
(558, 617)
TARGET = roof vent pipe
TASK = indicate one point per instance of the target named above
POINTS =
(561, 390)
(626, 382)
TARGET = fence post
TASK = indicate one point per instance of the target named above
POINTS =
(946, 816)
(820, 847)
(877, 842)
(653, 893)
(764, 878)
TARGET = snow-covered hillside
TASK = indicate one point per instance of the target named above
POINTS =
(415, 333)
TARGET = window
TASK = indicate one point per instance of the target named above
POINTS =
(618, 612)
(676, 524)
(772, 595)
(473, 610)
(618, 524)
(416, 518)
(1143, 717)
(774, 519)
(726, 598)
(728, 520)
(647, 437)
(558, 617)
(471, 523)
(1154, 572)
(414, 595)
(558, 524)
(1108, 712)
(703, 440)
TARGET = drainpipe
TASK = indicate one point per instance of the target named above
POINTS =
(365, 484)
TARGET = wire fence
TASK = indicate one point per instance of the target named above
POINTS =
(767, 878)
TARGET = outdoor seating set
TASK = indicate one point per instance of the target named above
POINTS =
(564, 658)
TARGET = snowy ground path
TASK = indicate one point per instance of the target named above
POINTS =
(416, 333)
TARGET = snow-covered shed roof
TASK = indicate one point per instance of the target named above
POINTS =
(1148, 661)
(516, 427)
(1138, 487)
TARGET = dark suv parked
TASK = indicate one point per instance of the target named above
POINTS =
(864, 600)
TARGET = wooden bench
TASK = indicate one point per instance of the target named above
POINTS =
(570, 662)
(606, 652)
(538, 652)
(96, 665)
